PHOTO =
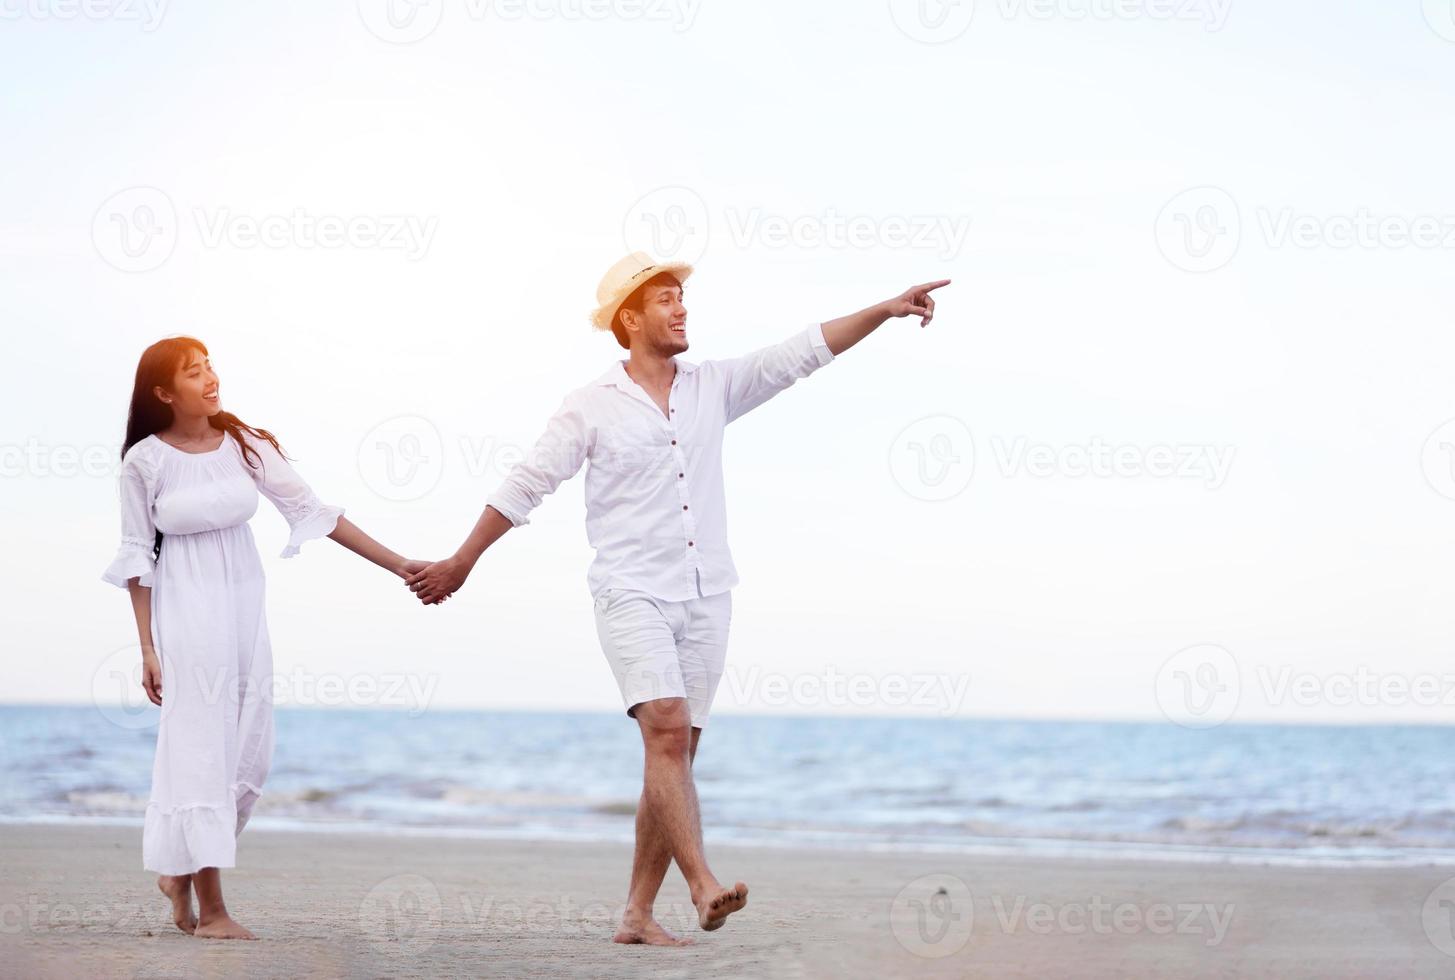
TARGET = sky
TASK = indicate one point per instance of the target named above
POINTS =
(1177, 445)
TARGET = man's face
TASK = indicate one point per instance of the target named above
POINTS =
(662, 323)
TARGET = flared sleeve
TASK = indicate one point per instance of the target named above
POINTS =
(134, 557)
(307, 516)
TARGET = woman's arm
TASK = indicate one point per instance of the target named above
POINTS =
(151, 666)
(352, 537)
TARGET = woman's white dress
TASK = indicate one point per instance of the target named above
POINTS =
(215, 738)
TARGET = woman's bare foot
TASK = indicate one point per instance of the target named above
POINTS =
(222, 927)
(178, 888)
(640, 927)
(716, 903)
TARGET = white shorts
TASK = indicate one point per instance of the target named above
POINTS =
(663, 649)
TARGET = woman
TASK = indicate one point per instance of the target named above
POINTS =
(190, 479)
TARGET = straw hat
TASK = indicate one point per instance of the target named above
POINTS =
(622, 279)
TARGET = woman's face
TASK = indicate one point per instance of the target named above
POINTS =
(194, 388)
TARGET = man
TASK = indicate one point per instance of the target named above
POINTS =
(652, 428)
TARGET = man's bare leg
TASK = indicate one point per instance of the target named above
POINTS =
(669, 800)
(650, 862)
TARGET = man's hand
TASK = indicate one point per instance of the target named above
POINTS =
(916, 301)
(846, 331)
(435, 583)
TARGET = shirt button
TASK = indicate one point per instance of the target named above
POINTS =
(684, 506)
(674, 442)
(681, 475)
(689, 544)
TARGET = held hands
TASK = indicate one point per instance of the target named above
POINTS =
(916, 301)
(434, 583)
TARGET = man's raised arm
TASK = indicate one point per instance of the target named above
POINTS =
(754, 378)
(846, 331)
(556, 457)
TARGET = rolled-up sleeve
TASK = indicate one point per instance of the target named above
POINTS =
(754, 378)
(307, 516)
(556, 457)
(134, 557)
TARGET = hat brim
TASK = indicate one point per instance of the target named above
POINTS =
(603, 315)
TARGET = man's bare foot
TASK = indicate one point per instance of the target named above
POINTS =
(222, 927)
(178, 888)
(640, 927)
(717, 903)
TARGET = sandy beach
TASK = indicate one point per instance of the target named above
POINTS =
(74, 902)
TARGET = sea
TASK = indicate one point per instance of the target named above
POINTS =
(1260, 794)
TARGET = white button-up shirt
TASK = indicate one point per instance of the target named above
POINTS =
(656, 512)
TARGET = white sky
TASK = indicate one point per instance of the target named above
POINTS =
(535, 149)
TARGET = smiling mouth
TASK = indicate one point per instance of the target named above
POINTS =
(210, 396)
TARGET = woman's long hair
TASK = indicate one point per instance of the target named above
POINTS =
(149, 415)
